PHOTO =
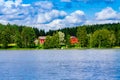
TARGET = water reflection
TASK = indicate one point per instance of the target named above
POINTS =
(60, 65)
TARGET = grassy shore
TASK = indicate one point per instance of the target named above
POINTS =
(13, 47)
(57, 48)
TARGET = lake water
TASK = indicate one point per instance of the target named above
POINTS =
(60, 64)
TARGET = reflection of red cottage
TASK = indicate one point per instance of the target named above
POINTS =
(42, 39)
(73, 40)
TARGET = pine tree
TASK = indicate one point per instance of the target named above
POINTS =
(28, 37)
(82, 36)
(5, 37)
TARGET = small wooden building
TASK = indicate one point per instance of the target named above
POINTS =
(73, 40)
(42, 39)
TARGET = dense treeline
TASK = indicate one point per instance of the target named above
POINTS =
(89, 28)
(19, 36)
(89, 36)
(99, 35)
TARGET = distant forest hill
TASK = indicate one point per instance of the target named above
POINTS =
(89, 28)
(88, 35)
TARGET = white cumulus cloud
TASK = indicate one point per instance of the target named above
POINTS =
(15, 12)
(107, 14)
(77, 17)
(74, 19)
(44, 4)
(91, 22)
(18, 2)
(49, 16)
(43, 15)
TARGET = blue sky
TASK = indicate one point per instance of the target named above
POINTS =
(56, 14)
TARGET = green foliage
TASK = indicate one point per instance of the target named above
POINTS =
(0, 36)
(118, 38)
(28, 37)
(52, 41)
(5, 37)
(36, 30)
(90, 29)
(82, 36)
(56, 40)
(61, 38)
(99, 35)
(40, 46)
(68, 41)
(48, 42)
(112, 39)
(41, 33)
(22, 36)
(102, 38)
(18, 40)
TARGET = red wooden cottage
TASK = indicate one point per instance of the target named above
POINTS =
(73, 40)
(42, 39)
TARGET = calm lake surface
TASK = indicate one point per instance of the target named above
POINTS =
(60, 64)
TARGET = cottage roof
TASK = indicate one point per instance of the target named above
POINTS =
(73, 37)
(42, 37)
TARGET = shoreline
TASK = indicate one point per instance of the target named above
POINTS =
(60, 48)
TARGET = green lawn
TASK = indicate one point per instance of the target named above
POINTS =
(12, 44)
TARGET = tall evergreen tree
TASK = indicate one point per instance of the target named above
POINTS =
(118, 38)
(55, 40)
(18, 40)
(37, 33)
(0, 36)
(42, 33)
(48, 42)
(68, 41)
(112, 39)
(28, 37)
(82, 36)
(5, 37)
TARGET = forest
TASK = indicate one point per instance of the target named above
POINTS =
(89, 36)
